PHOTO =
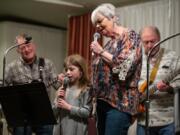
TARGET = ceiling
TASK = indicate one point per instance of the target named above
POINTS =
(50, 14)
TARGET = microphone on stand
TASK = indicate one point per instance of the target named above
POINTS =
(96, 36)
(27, 40)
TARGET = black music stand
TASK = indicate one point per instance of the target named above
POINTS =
(26, 105)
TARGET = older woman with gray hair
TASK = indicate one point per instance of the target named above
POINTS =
(115, 72)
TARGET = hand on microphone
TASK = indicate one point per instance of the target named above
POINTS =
(61, 92)
(95, 43)
(61, 103)
(96, 47)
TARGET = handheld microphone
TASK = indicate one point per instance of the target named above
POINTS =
(96, 36)
(66, 82)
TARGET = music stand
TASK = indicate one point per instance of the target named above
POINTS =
(26, 105)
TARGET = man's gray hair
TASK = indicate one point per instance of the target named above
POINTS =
(106, 9)
(153, 28)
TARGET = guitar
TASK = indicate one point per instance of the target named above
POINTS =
(152, 89)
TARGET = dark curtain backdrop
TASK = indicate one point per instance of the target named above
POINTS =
(80, 35)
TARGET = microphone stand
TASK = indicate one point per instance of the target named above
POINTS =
(4, 59)
(147, 93)
(65, 85)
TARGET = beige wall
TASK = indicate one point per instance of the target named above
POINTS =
(50, 43)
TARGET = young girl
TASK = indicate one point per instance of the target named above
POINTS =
(72, 104)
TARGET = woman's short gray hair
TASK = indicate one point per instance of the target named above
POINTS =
(106, 9)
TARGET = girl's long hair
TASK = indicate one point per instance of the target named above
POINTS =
(78, 61)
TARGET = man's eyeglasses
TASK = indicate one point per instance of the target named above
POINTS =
(150, 41)
(24, 46)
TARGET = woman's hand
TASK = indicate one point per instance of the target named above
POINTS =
(96, 47)
(98, 50)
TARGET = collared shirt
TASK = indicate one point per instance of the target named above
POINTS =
(117, 83)
(19, 72)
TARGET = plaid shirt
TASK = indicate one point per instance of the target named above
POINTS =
(117, 83)
(18, 72)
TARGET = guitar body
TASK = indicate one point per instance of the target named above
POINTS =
(152, 90)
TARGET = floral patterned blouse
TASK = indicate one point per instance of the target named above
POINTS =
(117, 83)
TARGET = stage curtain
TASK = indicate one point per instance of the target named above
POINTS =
(80, 35)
